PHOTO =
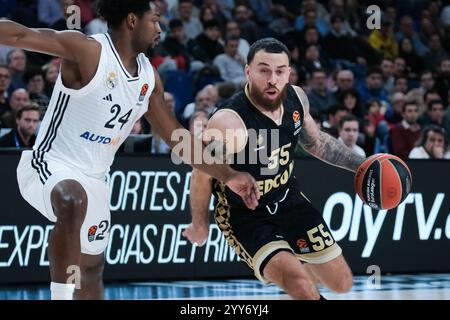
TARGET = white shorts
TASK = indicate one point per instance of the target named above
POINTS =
(36, 184)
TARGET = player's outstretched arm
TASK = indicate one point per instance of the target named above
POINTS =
(70, 45)
(165, 125)
(323, 146)
(200, 195)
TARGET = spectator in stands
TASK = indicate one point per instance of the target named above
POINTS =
(417, 94)
(340, 44)
(248, 27)
(310, 18)
(34, 78)
(19, 99)
(231, 63)
(374, 117)
(443, 79)
(49, 11)
(202, 102)
(226, 6)
(334, 115)
(232, 29)
(348, 133)
(394, 113)
(225, 90)
(434, 114)
(373, 87)
(17, 63)
(192, 25)
(387, 71)
(313, 61)
(404, 135)
(407, 31)
(23, 136)
(345, 81)
(399, 67)
(5, 81)
(341, 9)
(175, 45)
(206, 46)
(320, 97)
(433, 144)
(351, 101)
(383, 39)
(51, 70)
(215, 13)
(198, 122)
(400, 85)
(414, 63)
(436, 53)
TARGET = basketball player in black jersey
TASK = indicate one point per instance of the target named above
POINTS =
(285, 229)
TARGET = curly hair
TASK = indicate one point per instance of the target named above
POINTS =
(115, 11)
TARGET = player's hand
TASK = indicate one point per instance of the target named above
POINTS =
(197, 234)
(245, 185)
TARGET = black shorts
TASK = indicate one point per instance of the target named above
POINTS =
(291, 224)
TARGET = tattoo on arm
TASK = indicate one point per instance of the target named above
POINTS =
(330, 150)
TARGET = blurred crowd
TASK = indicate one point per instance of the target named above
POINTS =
(382, 89)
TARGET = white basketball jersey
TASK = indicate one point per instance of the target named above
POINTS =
(84, 128)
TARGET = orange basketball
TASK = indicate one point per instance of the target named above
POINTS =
(383, 181)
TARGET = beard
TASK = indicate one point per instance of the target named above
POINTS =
(258, 96)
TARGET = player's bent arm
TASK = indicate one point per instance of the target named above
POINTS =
(70, 45)
(323, 146)
(166, 126)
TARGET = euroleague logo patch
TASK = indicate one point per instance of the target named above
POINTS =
(102, 229)
(144, 90)
(303, 245)
(297, 121)
(91, 233)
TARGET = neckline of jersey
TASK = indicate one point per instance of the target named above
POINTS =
(116, 54)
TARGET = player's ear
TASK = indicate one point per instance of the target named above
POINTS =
(247, 71)
(131, 20)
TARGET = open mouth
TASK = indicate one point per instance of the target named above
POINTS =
(272, 93)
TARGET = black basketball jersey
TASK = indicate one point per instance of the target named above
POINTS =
(269, 152)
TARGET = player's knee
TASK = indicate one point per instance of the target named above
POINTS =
(343, 283)
(69, 202)
(304, 289)
(93, 272)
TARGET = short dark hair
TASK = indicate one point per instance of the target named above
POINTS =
(231, 38)
(31, 73)
(213, 23)
(409, 103)
(347, 118)
(175, 23)
(373, 70)
(269, 45)
(28, 107)
(115, 11)
(433, 103)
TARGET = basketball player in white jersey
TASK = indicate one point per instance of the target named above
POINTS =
(106, 84)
